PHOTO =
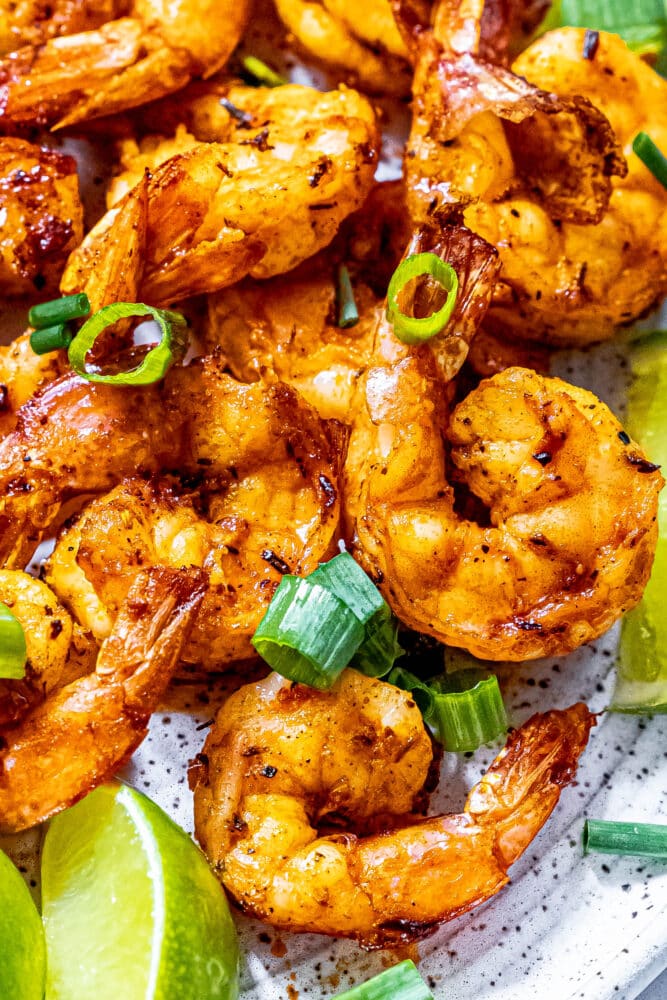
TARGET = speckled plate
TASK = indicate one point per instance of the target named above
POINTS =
(567, 926)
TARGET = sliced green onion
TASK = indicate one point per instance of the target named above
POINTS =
(414, 329)
(263, 73)
(348, 314)
(154, 365)
(13, 651)
(58, 311)
(51, 338)
(646, 840)
(308, 634)
(651, 156)
(401, 982)
(464, 710)
(642, 24)
(345, 578)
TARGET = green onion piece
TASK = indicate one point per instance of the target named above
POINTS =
(308, 634)
(401, 982)
(51, 338)
(646, 840)
(154, 366)
(348, 314)
(651, 156)
(59, 311)
(13, 651)
(642, 24)
(263, 73)
(413, 329)
(345, 578)
(465, 709)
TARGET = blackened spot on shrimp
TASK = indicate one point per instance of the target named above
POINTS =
(269, 771)
(624, 437)
(242, 117)
(4, 398)
(591, 43)
(329, 491)
(273, 560)
(260, 141)
(56, 628)
(538, 540)
(527, 626)
(642, 464)
(543, 457)
(322, 168)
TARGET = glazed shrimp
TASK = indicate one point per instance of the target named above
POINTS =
(246, 447)
(85, 732)
(243, 542)
(128, 60)
(33, 22)
(527, 534)
(284, 761)
(295, 167)
(58, 649)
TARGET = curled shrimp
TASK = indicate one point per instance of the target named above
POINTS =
(284, 762)
(83, 733)
(41, 214)
(58, 649)
(294, 166)
(243, 542)
(528, 531)
(121, 63)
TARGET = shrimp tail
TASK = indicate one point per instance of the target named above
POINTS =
(81, 735)
(519, 791)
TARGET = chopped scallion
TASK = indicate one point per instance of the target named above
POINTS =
(651, 156)
(464, 709)
(13, 651)
(155, 363)
(401, 982)
(348, 314)
(57, 311)
(413, 329)
(51, 338)
(262, 73)
(646, 840)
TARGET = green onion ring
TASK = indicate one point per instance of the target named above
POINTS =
(154, 366)
(13, 651)
(411, 329)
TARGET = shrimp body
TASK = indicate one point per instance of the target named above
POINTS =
(119, 63)
(41, 215)
(529, 536)
(258, 204)
(83, 733)
(284, 761)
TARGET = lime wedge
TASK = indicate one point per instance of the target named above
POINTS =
(22, 952)
(641, 684)
(130, 906)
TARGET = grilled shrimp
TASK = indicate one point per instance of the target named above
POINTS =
(262, 525)
(296, 164)
(58, 649)
(305, 805)
(83, 733)
(246, 447)
(145, 49)
(527, 533)
(567, 277)
(41, 217)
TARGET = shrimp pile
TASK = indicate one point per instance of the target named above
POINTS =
(284, 762)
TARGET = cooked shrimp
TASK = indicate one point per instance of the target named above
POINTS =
(41, 217)
(527, 535)
(247, 447)
(33, 22)
(258, 204)
(124, 62)
(58, 649)
(284, 761)
(243, 540)
(583, 248)
(84, 733)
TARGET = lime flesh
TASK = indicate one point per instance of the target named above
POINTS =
(22, 952)
(642, 673)
(131, 908)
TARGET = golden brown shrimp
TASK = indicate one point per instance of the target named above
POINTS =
(258, 204)
(248, 447)
(58, 648)
(528, 532)
(41, 218)
(262, 525)
(33, 22)
(284, 762)
(123, 62)
(84, 733)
